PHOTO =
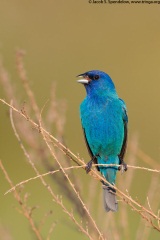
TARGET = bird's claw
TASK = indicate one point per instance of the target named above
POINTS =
(123, 167)
(89, 166)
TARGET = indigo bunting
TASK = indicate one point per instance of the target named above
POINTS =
(104, 121)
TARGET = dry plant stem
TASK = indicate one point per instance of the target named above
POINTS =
(50, 231)
(58, 121)
(130, 166)
(143, 232)
(66, 150)
(55, 197)
(100, 235)
(141, 210)
(128, 178)
(42, 175)
(42, 222)
(134, 205)
(58, 144)
(25, 210)
(6, 82)
(71, 155)
(23, 77)
(67, 168)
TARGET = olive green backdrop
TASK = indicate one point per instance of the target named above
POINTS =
(63, 39)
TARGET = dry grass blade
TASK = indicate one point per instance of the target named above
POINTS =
(67, 168)
(134, 204)
(131, 166)
(152, 201)
(99, 234)
(23, 77)
(56, 115)
(48, 146)
(55, 197)
(41, 175)
(25, 209)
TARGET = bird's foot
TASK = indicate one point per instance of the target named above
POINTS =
(123, 167)
(89, 166)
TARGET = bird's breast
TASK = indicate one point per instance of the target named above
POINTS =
(103, 126)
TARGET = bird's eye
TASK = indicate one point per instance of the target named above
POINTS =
(96, 77)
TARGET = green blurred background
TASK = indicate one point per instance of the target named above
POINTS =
(63, 39)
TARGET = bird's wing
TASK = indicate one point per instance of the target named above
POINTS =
(89, 149)
(125, 121)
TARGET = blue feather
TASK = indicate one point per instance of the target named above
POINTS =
(104, 117)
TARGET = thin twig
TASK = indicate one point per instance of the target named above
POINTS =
(100, 235)
(69, 168)
(71, 156)
(41, 175)
(25, 210)
(55, 197)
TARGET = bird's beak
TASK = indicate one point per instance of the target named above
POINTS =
(83, 81)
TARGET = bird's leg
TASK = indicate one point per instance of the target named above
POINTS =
(123, 166)
(89, 164)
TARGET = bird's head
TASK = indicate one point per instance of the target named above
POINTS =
(97, 83)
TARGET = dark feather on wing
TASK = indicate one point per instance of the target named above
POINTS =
(124, 146)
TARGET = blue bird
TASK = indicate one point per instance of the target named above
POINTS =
(104, 122)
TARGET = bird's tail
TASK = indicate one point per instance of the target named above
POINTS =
(110, 202)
